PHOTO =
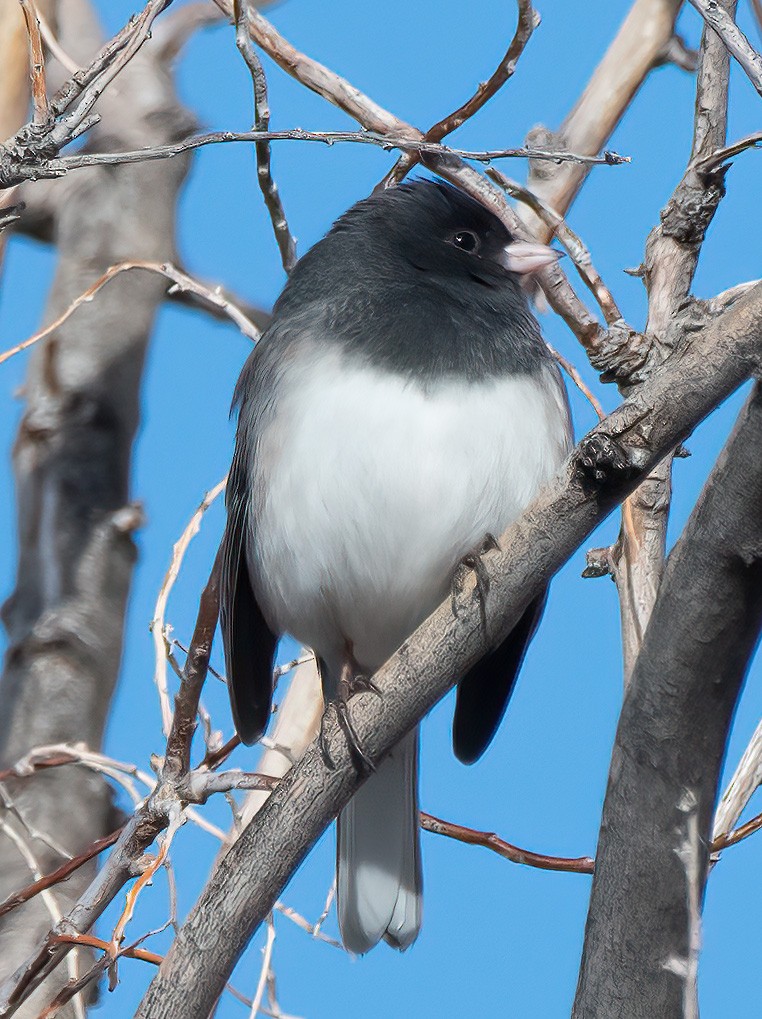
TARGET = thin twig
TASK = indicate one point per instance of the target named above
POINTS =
(180, 281)
(737, 835)
(267, 955)
(176, 820)
(578, 865)
(573, 244)
(60, 873)
(268, 187)
(59, 166)
(162, 647)
(578, 381)
(709, 162)
(528, 20)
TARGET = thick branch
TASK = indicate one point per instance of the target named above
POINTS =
(642, 931)
(249, 878)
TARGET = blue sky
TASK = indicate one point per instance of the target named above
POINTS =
(496, 937)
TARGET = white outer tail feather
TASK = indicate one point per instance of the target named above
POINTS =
(379, 884)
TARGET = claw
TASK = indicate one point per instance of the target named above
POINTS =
(473, 562)
(602, 460)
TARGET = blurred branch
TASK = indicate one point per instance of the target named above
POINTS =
(158, 627)
(248, 879)
(640, 45)
(37, 63)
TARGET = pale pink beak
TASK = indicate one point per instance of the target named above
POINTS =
(524, 257)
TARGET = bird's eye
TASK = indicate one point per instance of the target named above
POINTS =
(466, 239)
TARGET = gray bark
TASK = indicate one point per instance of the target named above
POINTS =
(72, 464)
(642, 934)
(250, 877)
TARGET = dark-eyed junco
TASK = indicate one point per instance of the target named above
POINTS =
(401, 406)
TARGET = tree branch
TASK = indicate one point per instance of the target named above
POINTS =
(672, 252)
(721, 21)
(638, 48)
(641, 938)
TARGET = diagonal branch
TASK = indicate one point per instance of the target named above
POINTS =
(722, 22)
(249, 878)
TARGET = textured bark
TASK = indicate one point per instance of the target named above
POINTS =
(249, 878)
(642, 935)
(72, 463)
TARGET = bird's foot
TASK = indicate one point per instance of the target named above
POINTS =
(351, 682)
(602, 461)
(472, 562)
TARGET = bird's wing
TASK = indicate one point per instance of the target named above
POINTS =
(248, 642)
(484, 692)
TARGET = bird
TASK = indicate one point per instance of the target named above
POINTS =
(400, 407)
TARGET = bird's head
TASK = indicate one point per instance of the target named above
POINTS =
(437, 229)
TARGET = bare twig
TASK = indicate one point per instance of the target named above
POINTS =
(723, 23)
(720, 156)
(267, 955)
(573, 244)
(578, 381)
(175, 821)
(268, 187)
(162, 647)
(60, 165)
(180, 280)
(528, 20)
(745, 781)
(732, 838)
(578, 865)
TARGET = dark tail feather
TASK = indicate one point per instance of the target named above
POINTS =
(483, 693)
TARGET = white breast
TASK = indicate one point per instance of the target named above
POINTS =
(369, 490)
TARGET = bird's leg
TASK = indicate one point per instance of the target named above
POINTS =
(473, 562)
(351, 682)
